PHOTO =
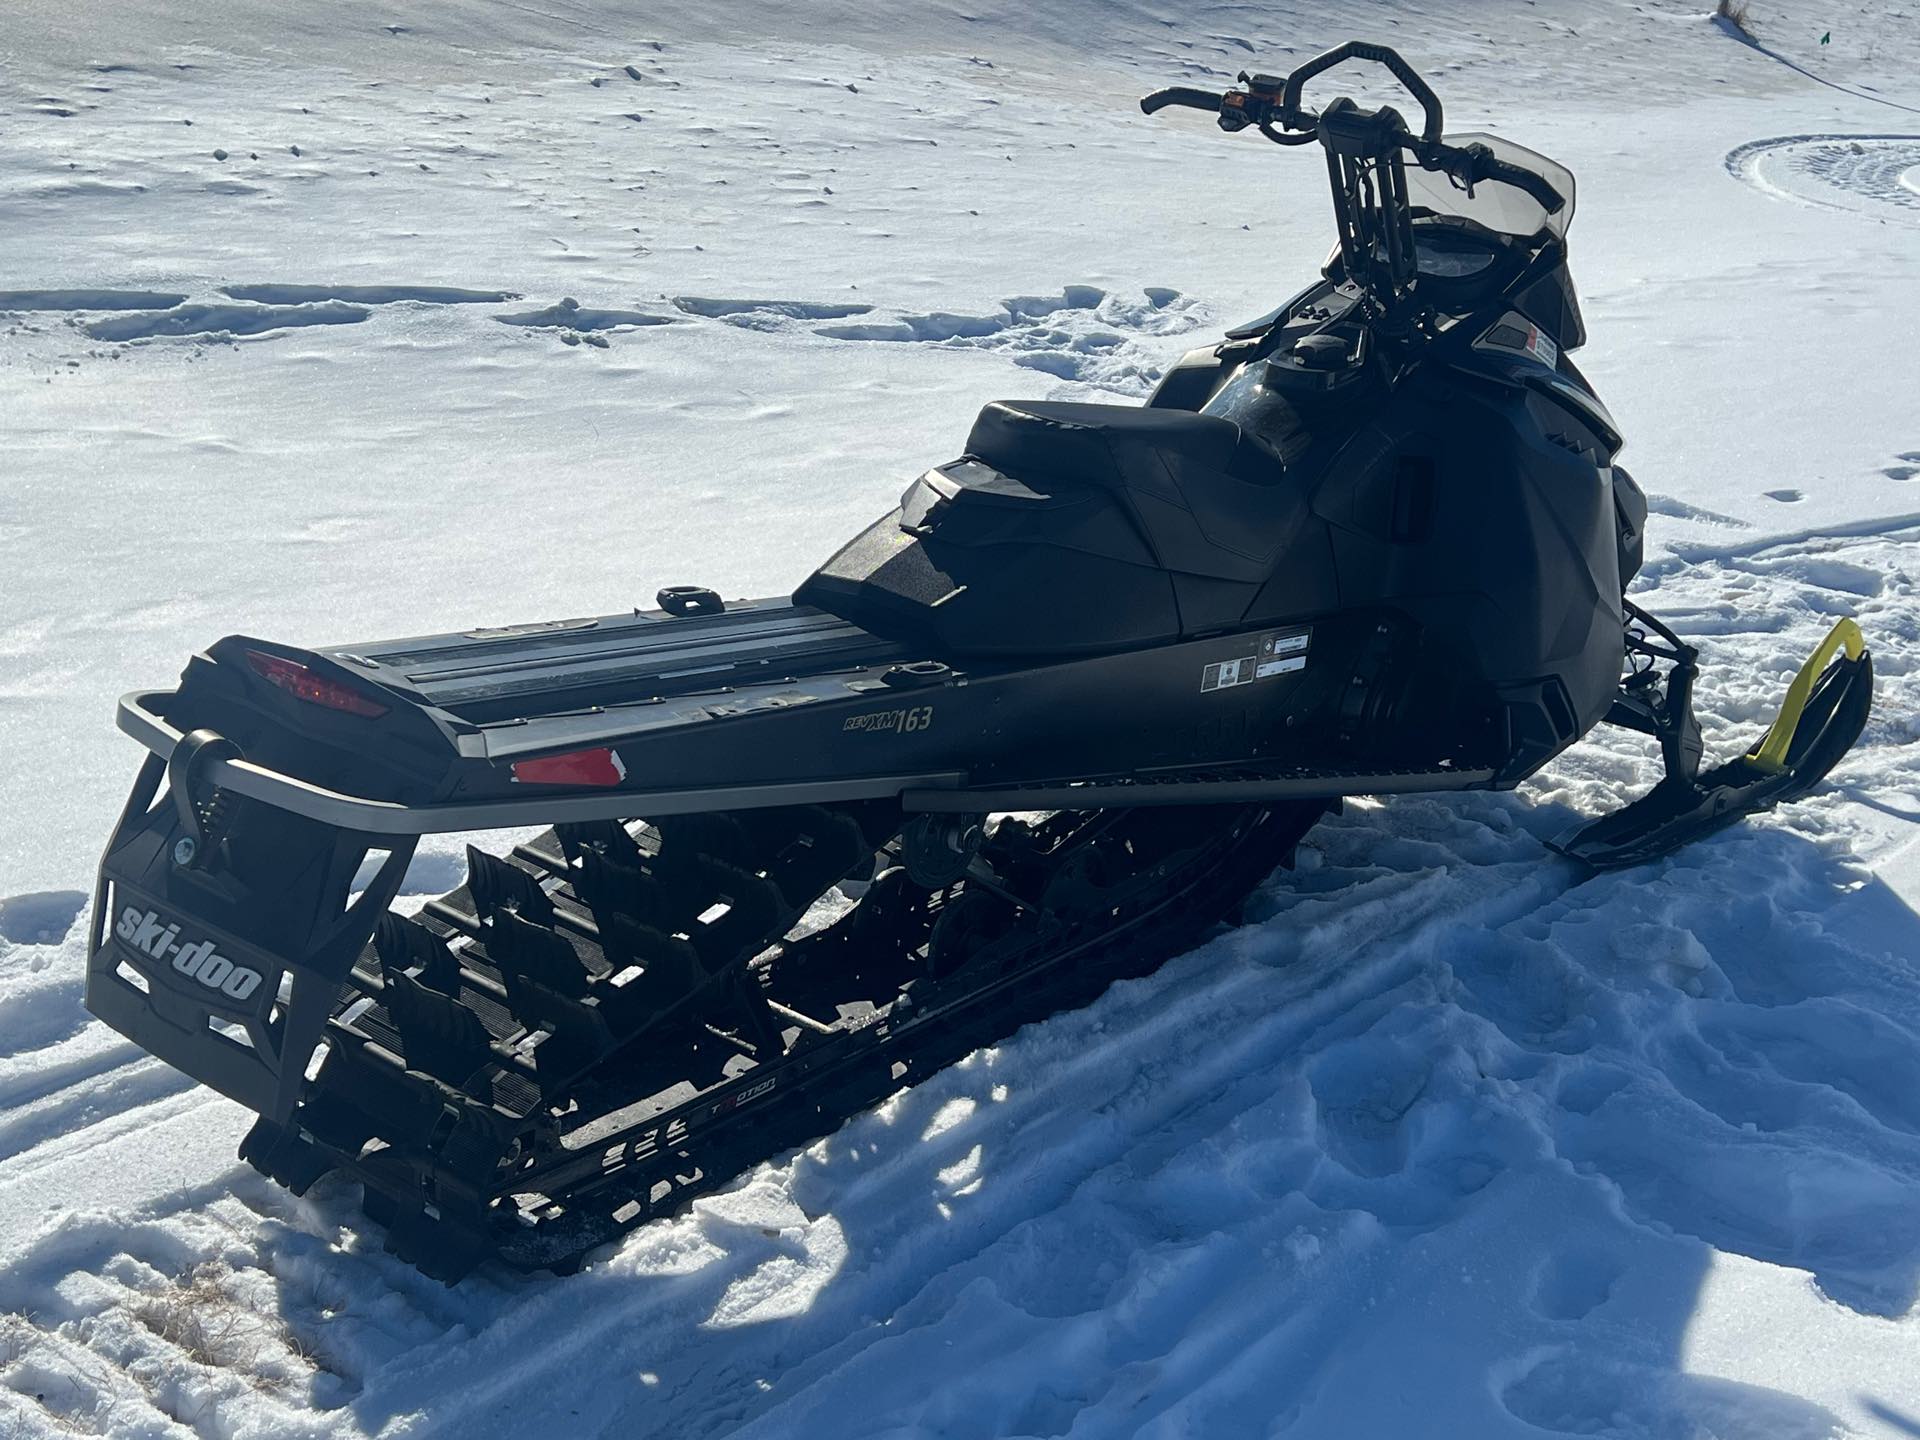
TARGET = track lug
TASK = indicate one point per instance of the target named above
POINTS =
(440, 1035)
(497, 885)
(284, 1155)
(403, 944)
(529, 952)
(439, 1247)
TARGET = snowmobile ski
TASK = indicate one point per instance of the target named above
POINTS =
(1039, 726)
(1824, 711)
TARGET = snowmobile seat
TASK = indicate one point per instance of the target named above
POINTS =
(1208, 499)
(1069, 528)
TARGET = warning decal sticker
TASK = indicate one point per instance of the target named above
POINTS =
(1227, 673)
(1279, 667)
(1281, 652)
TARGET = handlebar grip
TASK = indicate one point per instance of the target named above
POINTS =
(1430, 131)
(1181, 95)
(1538, 186)
(1471, 164)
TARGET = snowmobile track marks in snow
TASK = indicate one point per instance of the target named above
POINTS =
(367, 294)
(1874, 175)
(757, 314)
(225, 1291)
(88, 299)
(210, 319)
(260, 309)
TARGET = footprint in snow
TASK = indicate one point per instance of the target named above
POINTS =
(1826, 1049)
(257, 309)
(1571, 1392)
(41, 917)
(223, 320)
(765, 314)
(576, 321)
(1362, 1091)
(1573, 1284)
(1083, 335)
(88, 299)
(366, 294)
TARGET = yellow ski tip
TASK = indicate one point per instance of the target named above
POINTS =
(1770, 755)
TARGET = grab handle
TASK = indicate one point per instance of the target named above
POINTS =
(1380, 55)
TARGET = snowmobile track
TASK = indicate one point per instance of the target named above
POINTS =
(622, 1020)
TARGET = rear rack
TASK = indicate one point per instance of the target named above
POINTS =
(139, 717)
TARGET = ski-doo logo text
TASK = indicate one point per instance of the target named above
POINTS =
(153, 934)
(892, 722)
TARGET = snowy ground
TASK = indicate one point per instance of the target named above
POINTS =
(334, 322)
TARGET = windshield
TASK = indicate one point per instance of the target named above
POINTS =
(1499, 207)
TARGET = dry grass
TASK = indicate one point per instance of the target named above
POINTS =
(211, 1328)
(196, 1317)
(197, 1314)
(17, 1337)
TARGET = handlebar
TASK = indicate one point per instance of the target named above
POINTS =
(1181, 95)
(1470, 164)
(1380, 55)
(1268, 102)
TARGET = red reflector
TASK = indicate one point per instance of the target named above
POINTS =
(297, 680)
(576, 767)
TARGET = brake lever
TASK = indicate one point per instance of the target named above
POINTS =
(1259, 105)
(1241, 108)
(1263, 105)
(1476, 163)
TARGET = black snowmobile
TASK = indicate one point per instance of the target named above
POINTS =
(1041, 725)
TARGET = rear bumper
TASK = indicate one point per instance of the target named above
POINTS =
(231, 972)
(139, 717)
(230, 978)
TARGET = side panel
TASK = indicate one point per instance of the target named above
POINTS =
(1488, 517)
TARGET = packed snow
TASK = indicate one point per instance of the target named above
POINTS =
(334, 321)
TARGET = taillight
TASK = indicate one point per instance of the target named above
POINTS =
(304, 684)
(576, 767)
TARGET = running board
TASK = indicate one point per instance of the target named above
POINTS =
(1230, 787)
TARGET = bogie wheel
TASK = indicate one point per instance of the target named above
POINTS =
(968, 923)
